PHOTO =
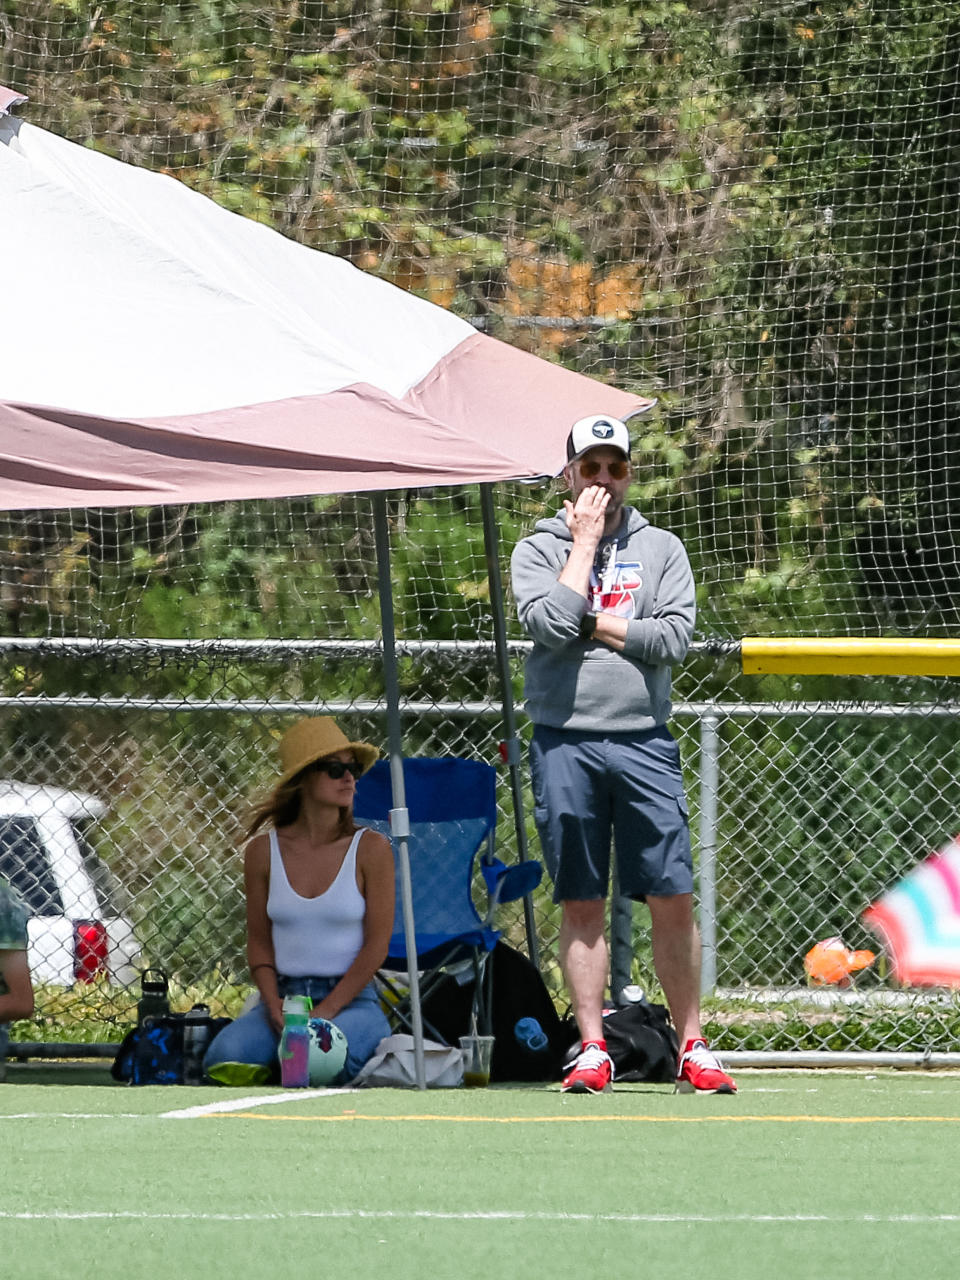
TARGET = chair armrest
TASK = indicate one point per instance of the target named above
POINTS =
(507, 884)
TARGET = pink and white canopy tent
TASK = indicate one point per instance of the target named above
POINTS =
(159, 349)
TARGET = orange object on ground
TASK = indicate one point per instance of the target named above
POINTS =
(830, 963)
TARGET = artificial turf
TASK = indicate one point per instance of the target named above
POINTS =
(801, 1175)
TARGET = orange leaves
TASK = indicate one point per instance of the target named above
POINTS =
(571, 291)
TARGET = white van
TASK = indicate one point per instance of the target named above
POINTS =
(76, 930)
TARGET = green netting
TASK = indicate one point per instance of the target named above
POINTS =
(748, 210)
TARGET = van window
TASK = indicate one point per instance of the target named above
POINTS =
(23, 860)
(109, 894)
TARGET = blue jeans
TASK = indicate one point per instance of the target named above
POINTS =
(251, 1037)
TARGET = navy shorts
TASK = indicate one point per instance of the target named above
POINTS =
(588, 787)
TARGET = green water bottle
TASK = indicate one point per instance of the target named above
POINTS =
(294, 1052)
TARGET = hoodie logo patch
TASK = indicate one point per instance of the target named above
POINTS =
(618, 590)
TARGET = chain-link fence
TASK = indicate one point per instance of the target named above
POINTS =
(132, 761)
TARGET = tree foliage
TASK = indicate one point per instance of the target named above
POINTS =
(749, 211)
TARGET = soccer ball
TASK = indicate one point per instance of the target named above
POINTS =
(328, 1051)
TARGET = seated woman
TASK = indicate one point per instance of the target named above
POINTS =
(320, 904)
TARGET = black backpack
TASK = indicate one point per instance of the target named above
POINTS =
(152, 1053)
(518, 991)
(642, 1043)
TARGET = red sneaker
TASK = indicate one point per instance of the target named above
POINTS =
(591, 1073)
(700, 1071)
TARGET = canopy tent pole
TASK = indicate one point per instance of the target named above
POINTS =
(399, 814)
(491, 541)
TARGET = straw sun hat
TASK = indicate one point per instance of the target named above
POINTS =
(313, 738)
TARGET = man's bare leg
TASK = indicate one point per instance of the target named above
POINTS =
(676, 958)
(583, 959)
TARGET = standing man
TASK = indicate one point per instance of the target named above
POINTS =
(16, 987)
(609, 603)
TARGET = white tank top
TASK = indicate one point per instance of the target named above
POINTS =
(316, 937)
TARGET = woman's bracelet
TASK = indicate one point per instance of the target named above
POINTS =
(264, 964)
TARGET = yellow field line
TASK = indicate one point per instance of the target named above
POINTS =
(253, 1115)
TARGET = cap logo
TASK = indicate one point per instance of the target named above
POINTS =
(602, 430)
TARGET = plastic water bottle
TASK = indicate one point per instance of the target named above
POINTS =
(196, 1037)
(631, 994)
(294, 1050)
(531, 1036)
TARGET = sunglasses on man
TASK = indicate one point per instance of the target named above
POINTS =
(337, 768)
(616, 470)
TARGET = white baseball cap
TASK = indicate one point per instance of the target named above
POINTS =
(598, 429)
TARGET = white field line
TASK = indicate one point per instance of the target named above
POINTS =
(76, 1115)
(400, 1215)
(184, 1113)
(244, 1104)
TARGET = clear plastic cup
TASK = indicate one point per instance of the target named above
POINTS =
(477, 1052)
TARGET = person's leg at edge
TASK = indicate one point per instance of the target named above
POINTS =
(676, 959)
(583, 961)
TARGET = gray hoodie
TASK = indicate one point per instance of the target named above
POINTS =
(641, 573)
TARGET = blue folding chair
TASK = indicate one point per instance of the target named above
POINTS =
(453, 813)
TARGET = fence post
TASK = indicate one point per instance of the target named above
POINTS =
(491, 540)
(399, 814)
(709, 776)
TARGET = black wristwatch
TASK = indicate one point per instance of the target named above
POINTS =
(588, 625)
